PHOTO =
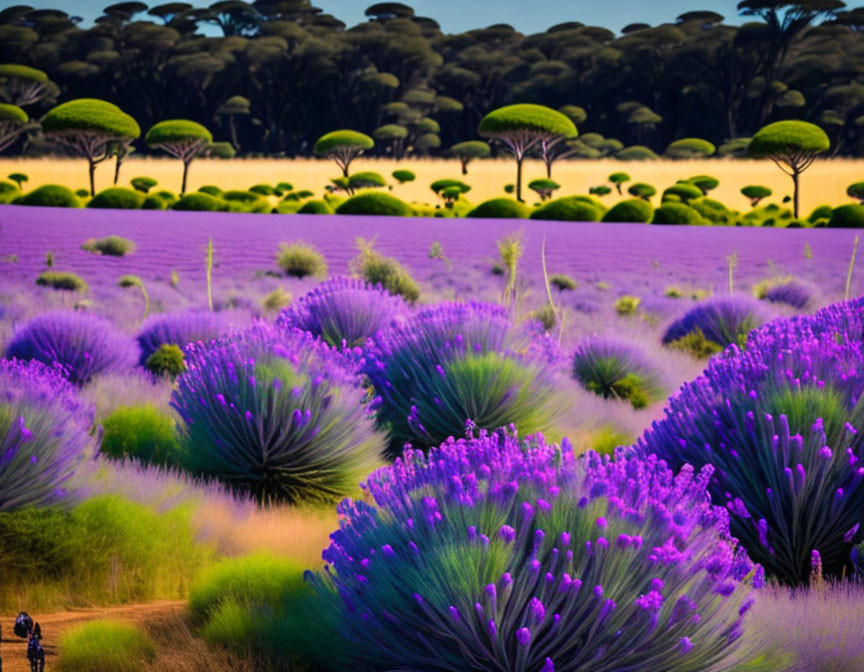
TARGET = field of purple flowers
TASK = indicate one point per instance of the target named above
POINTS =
(552, 446)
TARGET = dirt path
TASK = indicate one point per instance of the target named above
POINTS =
(14, 651)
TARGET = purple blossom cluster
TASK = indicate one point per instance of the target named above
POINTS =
(780, 421)
(180, 328)
(504, 553)
(724, 320)
(343, 311)
(44, 433)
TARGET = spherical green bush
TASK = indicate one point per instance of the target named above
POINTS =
(632, 210)
(690, 148)
(820, 212)
(500, 208)
(366, 180)
(755, 192)
(66, 281)
(856, 191)
(676, 213)
(112, 246)
(299, 260)
(143, 183)
(202, 202)
(166, 360)
(642, 190)
(567, 209)
(315, 207)
(50, 196)
(262, 189)
(105, 646)
(117, 198)
(403, 176)
(153, 202)
(210, 189)
(636, 153)
(683, 190)
(142, 433)
(847, 217)
(8, 192)
(374, 203)
(714, 211)
(705, 182)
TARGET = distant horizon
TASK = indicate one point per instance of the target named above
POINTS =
(456, 16)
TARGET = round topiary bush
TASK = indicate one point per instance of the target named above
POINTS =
(82, 345)
(498, 548)
(676, 213)
(200, 201)
(142, 433)
(343, 311)
(210, 189)
(377, 269)
(112, 246)
(299, 260)
(50, 196)
(374, 203)
(403, 176)
(62, 280)
(690, 148)
(8, 192)
(143, 183)
(500, 208)
(117, 198)
(636, 153)
(705, 183)
(779, 421)
(855, 190)
(641, 190)
(755, 192)
(44, 434)
(262, 189)
(275, 413)
(847, 217)
(315, 207)
(615, 369)
(105, 646)
(179, 329)
(724, 321)
(685, 191)
(823, 212)
(167, 360)
(456, 362)
(632, 210)
(154, 202)
(567, 209)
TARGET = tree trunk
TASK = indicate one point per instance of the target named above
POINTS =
(233, 126)
(519, 179)
(548, 168)
(185, 173)
(92, 176)
(464, 167)
(795, 175)
(117, 164)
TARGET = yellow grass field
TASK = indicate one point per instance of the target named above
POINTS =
(824, 183)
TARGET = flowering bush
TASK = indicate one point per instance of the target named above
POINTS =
(179, 329)
(787, 291)
(343, 311)
(275, 413)
(780, 421)
(82, 345)
(615, 369)
(498, 553)
(460, 361)
(723, 321)
(44, 432)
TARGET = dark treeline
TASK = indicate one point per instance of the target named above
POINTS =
(280, 73)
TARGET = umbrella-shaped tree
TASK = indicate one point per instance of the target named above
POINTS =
(13, 120)
(343, 147)
(92, 128)
(470, 150)
(182, 139)
(22, 85)
(525, 127)
(792, 145)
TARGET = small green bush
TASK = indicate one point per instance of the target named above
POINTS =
(117, 198)
(276, 300)
(500, 208)
(855, 190)
(112, 246)
(694, 343)
(684, 191)
(210, 189)
(288, 208)
(245, 201)
(154, 202)
(262, 189)
(641, 190)
(21, 178)
(200, 201)
(676, 213)
(755, 192)
(627, 305)
(403, 176)
(632, 210)
(299, 260)
(705, 183)
(142, 433)
(105, 646)
(847, 217)
(714, 211)
(567, 209)
(50, 196)
(377, 269)
(64, 280)
(820, 212)
(143, 184)
(366, 180)
(315, 207)
(636, 153)
(8, 192)
(166, 360)
(562, 282)
(375, 203)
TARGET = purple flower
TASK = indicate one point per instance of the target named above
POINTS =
(523, 636)
(180, 329)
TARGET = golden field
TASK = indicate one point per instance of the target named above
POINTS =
(824, 183)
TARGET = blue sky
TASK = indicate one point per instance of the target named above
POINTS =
(459, 15)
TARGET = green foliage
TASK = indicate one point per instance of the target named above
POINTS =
(262, 189)
(117, 198)
(210, 190)
(544, 187)
(142, 433)
(50, 196)
(300, 260)
(276, 300)
(641, 190)
(676, 213)
(684, 191)
(500, 208)
(112, 246)
(315, 207)
(705, 182)
(783, 138)
(18, 178)
(600, 190)
(166, 360)
(714, 211)
(377, 269)
(631, 210)
(8, 192)
(402, 176)
(62, 280)
(855, 190)
(696, 344)
(336, 141)
(439, 186)
(636, 153)
(567, 209)
(374, 203)
(755, 193)
(220, 150)
(513, 119)
(627, 305)
(562, 282)
(177, 132)
(200, 201)
(89, 115)
(618, 179)
(471, 149)
(105, 646)
(154, 202)
(143, 183)
(690, 148)
(821, 212)
(849, 216)
(365, 180)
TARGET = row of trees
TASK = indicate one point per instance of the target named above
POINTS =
(282, 73)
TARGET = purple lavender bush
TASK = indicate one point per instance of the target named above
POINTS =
(44, 433)
(343, 311)
(613, 368)
(500, 553)
(781, 423)
(179, 328)
(456, 361)
(82, 345)
(788, 291)
(722, 321)
(275, 413)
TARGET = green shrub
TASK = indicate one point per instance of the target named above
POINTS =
(562, 282)
(112, 246)
(142, 433)
(83, 194)
(262, 190)
(690, 148)
(847, 217)
(8, 192)
(641, 190)
(676, 213)
(694, 343)
(500, 208)
(276, 300)
(21, 178)
(144, 184)
(62, 280)
(636, 153)
(200, 201)
(632, 210)
(315, 207)
(567, 209)
(600, 190)
(377, 269)
(240, 200)
(543, 187)
(403, 176)
(166, 360)
(684, 191)
(288, 208)
(366, 180)
(820, 212)
(117, 198)
(755, 192)
(714, 211)
(705, 183)
(375, 203)
(627, 305)
(299, 260)
(855, 190)
(51, 196)
(154, 202)
(105, 646)
(210, 189)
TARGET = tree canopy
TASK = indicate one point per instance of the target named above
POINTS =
(89, 115)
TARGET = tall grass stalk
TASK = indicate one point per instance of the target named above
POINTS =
(851, 268)
(732, 260)
(209, 263)
(135, 281)
(511, 249)
(808, 251)
(559, 314)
